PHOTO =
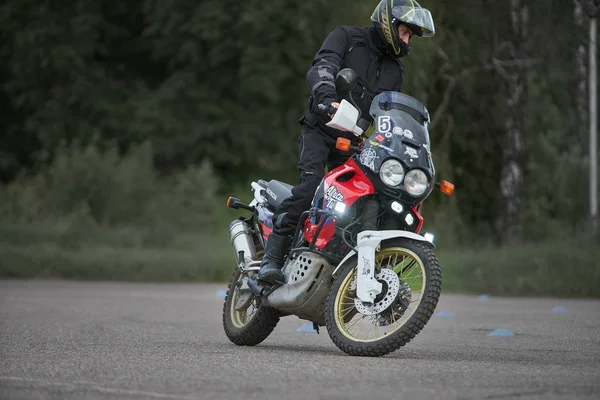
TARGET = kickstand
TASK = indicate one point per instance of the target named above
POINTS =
(316, 327)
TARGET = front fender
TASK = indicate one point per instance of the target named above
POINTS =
(384, 235)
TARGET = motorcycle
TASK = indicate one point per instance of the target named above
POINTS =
(357, 264)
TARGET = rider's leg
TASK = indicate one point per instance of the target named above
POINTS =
(314, 152)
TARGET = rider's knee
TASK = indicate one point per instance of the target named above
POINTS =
(310, 180)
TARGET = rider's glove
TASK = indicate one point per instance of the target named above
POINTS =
(322, 98)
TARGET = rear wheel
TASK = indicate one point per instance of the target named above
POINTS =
(245, 321)
(411, 280)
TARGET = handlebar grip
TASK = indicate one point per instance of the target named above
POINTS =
(327, 109)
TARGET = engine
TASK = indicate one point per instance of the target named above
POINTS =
(307, 283)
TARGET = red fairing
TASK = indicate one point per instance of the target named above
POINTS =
(419, 218)
(349, 192)
(266, 231)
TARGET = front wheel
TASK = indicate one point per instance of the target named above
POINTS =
(411, 284)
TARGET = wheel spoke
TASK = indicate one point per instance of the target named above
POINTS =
(349, 309)
(356, 322)
(373, 325)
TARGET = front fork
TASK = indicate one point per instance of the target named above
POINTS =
(367, 287)
(367, 241)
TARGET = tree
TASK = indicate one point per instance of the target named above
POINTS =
(512, 171)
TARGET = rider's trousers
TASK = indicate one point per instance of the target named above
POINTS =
(317, 150)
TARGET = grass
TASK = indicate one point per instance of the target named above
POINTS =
(562, 268)
(557, 268)
(115, 254)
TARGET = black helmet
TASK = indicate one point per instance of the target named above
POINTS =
(389, 14)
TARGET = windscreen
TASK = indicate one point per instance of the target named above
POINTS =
(400, 132)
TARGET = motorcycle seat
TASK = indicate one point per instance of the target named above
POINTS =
(277, 191)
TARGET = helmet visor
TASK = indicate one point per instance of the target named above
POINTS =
(419, 17)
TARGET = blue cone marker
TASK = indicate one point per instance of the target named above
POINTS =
(559, 309)
(483, 297)
(445, 314)
(222, 293)
(501, 332)
(306, 328)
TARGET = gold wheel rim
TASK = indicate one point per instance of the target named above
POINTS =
(241, 318)
(410, 269)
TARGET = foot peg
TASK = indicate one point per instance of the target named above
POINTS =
(271, 276)
(259, 290)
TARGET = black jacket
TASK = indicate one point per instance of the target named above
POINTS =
(363, 50)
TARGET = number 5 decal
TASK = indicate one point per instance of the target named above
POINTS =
(383, 124)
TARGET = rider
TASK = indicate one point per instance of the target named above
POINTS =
(374, 54)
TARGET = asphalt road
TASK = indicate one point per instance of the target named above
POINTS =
(66, 340)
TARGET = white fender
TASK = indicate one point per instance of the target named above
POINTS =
(375, 240)
(258, 198)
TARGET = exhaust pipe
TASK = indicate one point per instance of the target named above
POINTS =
(241, 239)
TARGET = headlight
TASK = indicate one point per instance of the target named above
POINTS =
(416, 182)
(340, 207)
(391, 173)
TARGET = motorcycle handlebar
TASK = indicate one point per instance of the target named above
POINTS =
(327, 109)
(330, 110)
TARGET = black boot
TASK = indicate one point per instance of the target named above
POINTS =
(275, 249)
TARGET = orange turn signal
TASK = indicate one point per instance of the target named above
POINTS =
(228, 201)
(447, 187)
(342, 144)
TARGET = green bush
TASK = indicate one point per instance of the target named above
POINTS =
(94, 213)
(93, 184)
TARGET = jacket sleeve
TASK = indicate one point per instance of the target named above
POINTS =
(326, 64)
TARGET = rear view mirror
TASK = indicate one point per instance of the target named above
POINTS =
(346, 80)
